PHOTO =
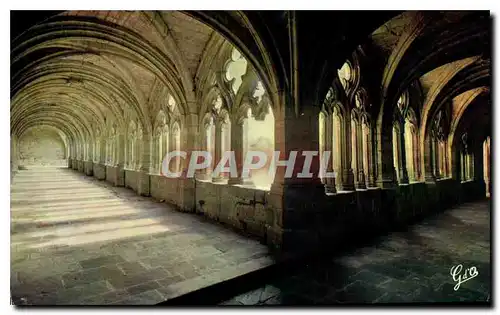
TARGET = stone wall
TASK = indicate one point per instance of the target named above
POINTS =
(345, 217)
(323, 222)
(115, 175)
(240, 207)
(178, 192)
(14, 156)
(41, 146)
(99, 171)
(131, 179)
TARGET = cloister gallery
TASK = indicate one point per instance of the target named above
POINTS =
(402, 102)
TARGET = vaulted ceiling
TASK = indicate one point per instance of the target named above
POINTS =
(75, 69)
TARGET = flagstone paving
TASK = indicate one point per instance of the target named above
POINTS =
(79, 241)
(402, 267)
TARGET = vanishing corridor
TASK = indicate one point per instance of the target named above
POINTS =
(77, 240)
(398, 108)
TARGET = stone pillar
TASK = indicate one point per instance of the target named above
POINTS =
(74, 163)
(402, 153)
(360, 183)
(385, 157)
(88, 167)
(293, 200)
(205, 143)
(190, 142)
(429, 160)
(143, 183)
(100, 166)
(435, 158)
(120, 160)
(237, 146)
(371, 159)
(345, 138)
(329, 182)
(487, 166)
(88, 164)
(155, 163)
(217, 151)
(416, 157)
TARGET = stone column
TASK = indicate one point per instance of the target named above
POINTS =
(89, 164)
(120, 160)
(488, 167)
(429, 160)
(145, 164)
(206, 142)
(385, 157)
(402, 154)
(371, 159)
(292, 200)
(154, 153)
(100, 167)
(329, 182)
(190, 142)
(416, 158)
(71, 154)
(435, 158)
(360, 184)
(217, 150)
(345, 138)
(237, 146)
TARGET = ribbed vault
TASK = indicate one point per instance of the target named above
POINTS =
(82, 71)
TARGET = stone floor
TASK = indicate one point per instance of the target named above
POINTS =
(77, 240)
(404, 267)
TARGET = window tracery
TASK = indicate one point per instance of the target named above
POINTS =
(235, 70)
(346, 75)
(160, 141)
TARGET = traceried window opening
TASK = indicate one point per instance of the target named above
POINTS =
(171, 103)
(259, 92)
(258, 135)
(236, 69)
(345, 75)
(411, 146)
(467, 160)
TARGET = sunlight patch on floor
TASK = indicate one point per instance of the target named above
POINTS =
(93, 227)
(117, 234)
(81, 216)
(62, 208)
